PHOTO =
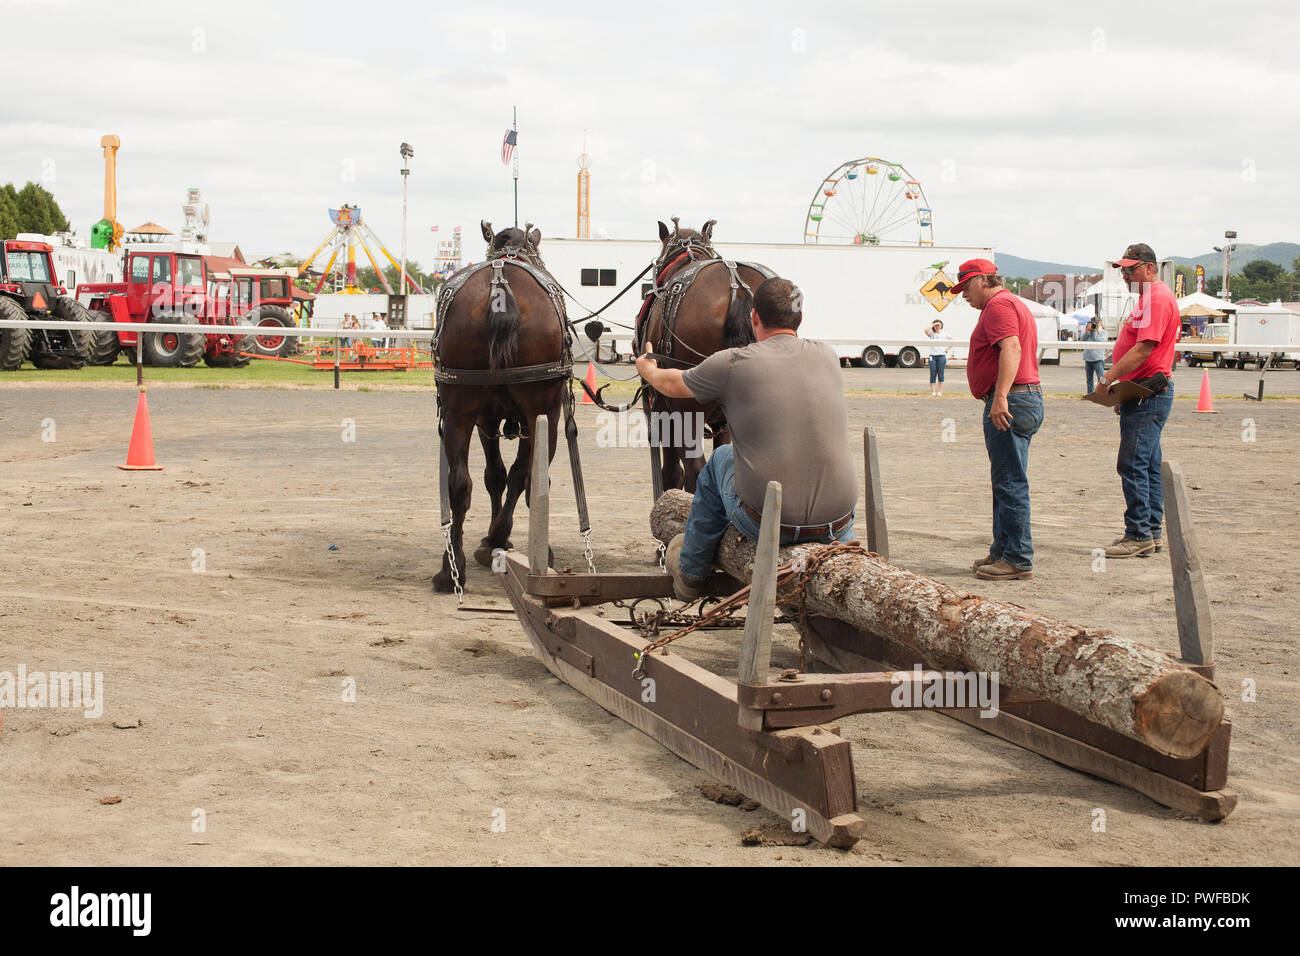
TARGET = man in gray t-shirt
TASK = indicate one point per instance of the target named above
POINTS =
(784, 401)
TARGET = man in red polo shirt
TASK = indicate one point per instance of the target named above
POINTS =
(1145, 345)
(1002, 370)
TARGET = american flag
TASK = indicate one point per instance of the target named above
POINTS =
(508, 146)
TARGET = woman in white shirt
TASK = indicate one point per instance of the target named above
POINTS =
(938, 357)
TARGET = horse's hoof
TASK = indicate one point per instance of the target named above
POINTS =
(483, 555)
(442, 583)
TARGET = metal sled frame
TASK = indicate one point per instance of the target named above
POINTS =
(776, 740)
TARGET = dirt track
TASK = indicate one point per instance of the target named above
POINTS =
(236, 674)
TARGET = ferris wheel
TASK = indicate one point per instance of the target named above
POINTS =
(869, 201)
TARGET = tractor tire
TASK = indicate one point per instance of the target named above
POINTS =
(15, 344)
(174, 349)
(70, 310)
(232, 361)
(271, 316)
(105, 346)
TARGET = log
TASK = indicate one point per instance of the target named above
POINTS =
(1118, 683)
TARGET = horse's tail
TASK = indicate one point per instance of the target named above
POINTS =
(737, 330)
(503, 325)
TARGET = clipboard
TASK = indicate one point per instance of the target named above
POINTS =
(1126, 390)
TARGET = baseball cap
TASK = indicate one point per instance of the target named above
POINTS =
(1136, 254)
(970, 269)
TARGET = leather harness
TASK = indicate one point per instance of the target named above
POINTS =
(562, 368)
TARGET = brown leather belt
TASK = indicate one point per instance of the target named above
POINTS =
(1027, 387)
(805, 532)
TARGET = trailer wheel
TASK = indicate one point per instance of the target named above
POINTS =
(174, 349)
(1219, 360)
(15, 344)
(909, 358)
(873, 356)
(271, 316)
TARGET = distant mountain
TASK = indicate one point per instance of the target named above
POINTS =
(1009, 265)
(1282, 253)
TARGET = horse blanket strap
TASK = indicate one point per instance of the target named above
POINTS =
(505, 376)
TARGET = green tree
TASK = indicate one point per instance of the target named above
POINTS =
(8, 212)
(38, 212)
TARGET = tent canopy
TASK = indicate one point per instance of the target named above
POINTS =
(1208, 301)
(1197, 310)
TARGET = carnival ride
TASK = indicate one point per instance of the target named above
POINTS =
(349, 232)
(871, 202)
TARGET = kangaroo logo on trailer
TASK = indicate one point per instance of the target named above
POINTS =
(938, 291)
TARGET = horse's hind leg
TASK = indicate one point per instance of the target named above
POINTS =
(494, 480)
(456, 437)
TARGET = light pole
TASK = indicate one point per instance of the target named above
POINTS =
(407, 153)
(1226, 249)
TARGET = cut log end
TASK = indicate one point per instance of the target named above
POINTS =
(1179, 713)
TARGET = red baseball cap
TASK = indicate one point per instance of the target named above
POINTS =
(970, 269)
(1135, 254)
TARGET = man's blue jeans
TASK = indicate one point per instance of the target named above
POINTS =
(715, 506)
(1140, 423)
(1009, 470)
(1094, 370)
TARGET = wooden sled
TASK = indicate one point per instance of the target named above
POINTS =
(776, 740)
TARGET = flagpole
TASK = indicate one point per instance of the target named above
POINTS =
(514, 124)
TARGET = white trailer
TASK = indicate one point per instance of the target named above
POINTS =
(1267, 330)
(859, 299)
(76, 262)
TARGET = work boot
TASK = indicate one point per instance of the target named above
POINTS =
(987, 559)
(684, 588)
(1002, 571)
(1131, 548)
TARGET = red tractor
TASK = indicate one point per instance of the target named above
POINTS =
(29, 291)
(262, 297)
(166, 287)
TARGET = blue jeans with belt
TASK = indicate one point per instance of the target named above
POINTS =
(937, 365)
(716, 505)
(1009, 470)
(1141, 421)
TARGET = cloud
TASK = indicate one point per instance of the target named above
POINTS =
(1048, 132)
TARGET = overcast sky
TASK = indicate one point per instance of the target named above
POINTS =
(1047, 131)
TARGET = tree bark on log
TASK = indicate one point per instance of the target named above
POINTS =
(1128, 687)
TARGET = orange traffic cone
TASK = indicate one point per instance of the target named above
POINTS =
(139, 456)
(1205, 404)
(591, 384)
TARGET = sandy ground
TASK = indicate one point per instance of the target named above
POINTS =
(235, 675)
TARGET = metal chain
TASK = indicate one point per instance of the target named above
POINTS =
(586, 550)
(663, 551)
(793, 576)
(451, 565)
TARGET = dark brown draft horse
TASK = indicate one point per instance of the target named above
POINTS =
(700, 304)
(502, 356)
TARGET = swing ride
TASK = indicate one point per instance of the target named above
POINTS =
(349, 232)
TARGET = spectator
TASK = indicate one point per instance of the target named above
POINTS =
(1094, 360)
(1002, 371)
(938, 357)
(1144, 347)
